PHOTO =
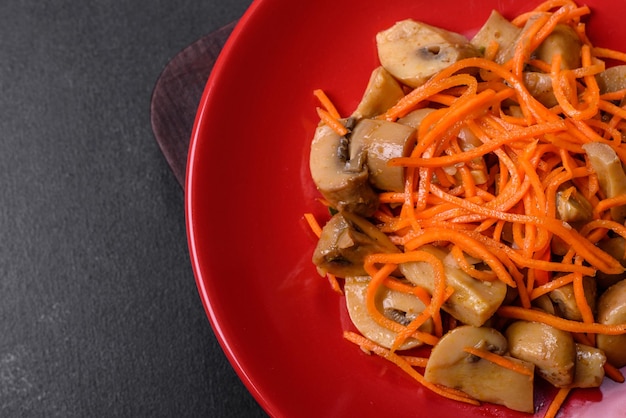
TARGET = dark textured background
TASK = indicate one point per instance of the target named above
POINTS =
(99, 313)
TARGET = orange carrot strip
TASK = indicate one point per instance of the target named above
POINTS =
(334, 283)
(613, 373)
(609, 53)
(581, 299)
(608, 203)
(613, 95)
(491, 50)
(332, 122)
(461, 109)
(326, 103)
(408, 102)
(467, 244)
(481, 150)
(313, 224)
(499, 360)
(420, 362)
(439, 293)
(557, 403)
(420, 292)
(377, 278)
(570, 110)
(524, 45)
(468, 268)
(412, 327)
(515, 312)
(550, 286)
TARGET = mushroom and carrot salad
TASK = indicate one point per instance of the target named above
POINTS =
(477, 199)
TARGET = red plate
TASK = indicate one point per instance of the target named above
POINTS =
(248, 186)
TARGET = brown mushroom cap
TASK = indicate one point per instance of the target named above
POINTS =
(450, 365)
(382, 141)
(342, 182)
(612, 310)
(551, 350)
(345, 241)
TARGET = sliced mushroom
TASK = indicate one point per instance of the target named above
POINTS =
(563, 297)
(508, 51)
(612, 79)
(451, 366)
(343, 182)
(539, 85)
(612, 310)
(496, 28)
(589, 367)
(383, 141)
(615, 247)
(611, 176)
(414, 118)
(571, 205)
(473, 301)
(382, 92)
(397, 306)
(552, 351)
(413, 51)
(563, 41)
(544, 303)
(345, 241)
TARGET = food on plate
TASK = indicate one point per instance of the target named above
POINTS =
(477, 199)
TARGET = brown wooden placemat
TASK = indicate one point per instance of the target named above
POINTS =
(177, 94)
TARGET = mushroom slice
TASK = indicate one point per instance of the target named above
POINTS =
(382, 92)
(563, 297)
(473, 301)
(496, 28)
(611, 176)
(414, 118)
(397, 306)
(571, 205)
(612, 310)
(544, 303)
(414, 51)
(615, 247)
(451, 366)
(345, 241)
(563, 41)
(344, 183)
(552, 351)
(589, 367)
(539, 85)
(383, 140)
(507, 51)
(612, 79)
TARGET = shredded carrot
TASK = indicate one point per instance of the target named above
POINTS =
(609, 53)
(606, 204)
(581, 299)
(334, 283)
(492, 50)
(313, 224)
(499, 360)
(557, 403)
(551, 285)
(332, 121)
(515, 312)
(326, 103)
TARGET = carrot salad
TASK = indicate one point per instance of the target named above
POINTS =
(506, 182)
